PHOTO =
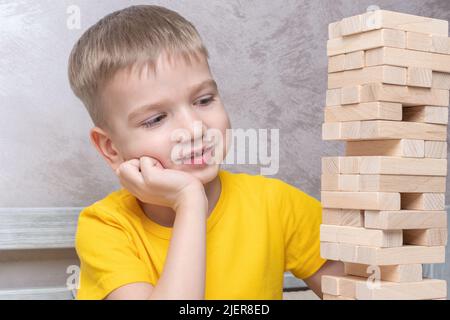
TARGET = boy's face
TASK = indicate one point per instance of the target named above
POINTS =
(145, 108)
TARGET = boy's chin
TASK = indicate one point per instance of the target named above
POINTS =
(205, 174)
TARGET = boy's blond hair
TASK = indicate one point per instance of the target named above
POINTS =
(134, 36)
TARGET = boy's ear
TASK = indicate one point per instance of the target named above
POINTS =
(101, 141)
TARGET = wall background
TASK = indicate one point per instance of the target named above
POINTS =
(268, 57)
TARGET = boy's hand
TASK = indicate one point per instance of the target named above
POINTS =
(151, 183)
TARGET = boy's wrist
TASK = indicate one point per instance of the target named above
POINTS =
(192, 197)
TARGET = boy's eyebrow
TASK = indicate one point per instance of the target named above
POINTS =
(193, 89)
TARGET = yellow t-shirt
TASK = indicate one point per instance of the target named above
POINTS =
(259, 228)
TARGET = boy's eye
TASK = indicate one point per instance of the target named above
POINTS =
(153, 121)
(205, 101)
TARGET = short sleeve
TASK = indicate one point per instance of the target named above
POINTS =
(107, 256)
(302, 216)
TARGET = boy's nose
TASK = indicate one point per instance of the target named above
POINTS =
(190, 121)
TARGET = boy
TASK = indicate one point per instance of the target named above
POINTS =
(180, 228)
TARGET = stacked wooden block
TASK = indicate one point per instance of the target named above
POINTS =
(384, 201)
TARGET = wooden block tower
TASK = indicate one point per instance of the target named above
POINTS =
(384, 200)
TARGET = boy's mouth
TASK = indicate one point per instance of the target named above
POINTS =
(197, 156)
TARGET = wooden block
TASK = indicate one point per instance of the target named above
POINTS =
(366, 40)
(343, 286)
(341, 130)
(334, 30)
(337, 131)
(441, 80)
(402, 166)
(383, 74)
(400, 148)
(330, 165)
(336, 63)
(361, 200)
(340, 182)
(349, 165)
(391, 20)
(351, 25)
(347, 287)
(330, 250)
(426, 237)
(331, 130)
(404, 219)
(383, 165)
(401, 183)
(364, 111)
(350, 94)
(421, 290)
(408, 96)
(412, 96)
(423, 201)
(349, 61)
(408, 254)
(436, 149)
(399, 255)
(381, 129)
(440, 44)
(333, 97)
(330, 285)
(354, 60)
(394, 273)
(383, 183)
(408, 22)
(419, 77)
(333, 297)
(418, 41)
(401, 21)
(407, 58)
(329, 182)
(426, 114)
(350, 129)
(361, 236)
(345, 165)
(343, 217)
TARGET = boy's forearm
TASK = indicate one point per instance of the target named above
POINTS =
(183, 276)
(329, 268)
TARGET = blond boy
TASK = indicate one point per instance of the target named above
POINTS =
(181, 227)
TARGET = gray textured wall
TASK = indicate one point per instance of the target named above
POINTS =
(268, 57)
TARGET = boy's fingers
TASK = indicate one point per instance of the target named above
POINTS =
(147, 166)
(133, 162)
(153, 162)
(130, 172)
